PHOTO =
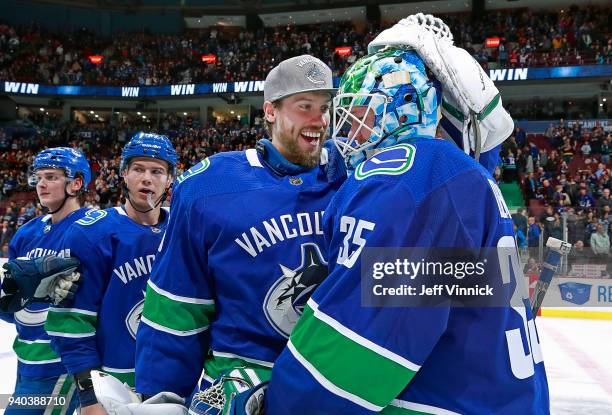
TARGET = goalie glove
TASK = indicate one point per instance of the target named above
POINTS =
(118, 399)
(471, 102)
(48, 279)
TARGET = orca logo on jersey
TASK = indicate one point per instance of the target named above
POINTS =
(133, 318)
(285, 300)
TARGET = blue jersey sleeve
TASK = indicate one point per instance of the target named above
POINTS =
(10, 317)
(344, 358)
(172, 339)
(73, 329)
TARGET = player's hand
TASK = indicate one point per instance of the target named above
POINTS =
(96, 409)
(49, 279)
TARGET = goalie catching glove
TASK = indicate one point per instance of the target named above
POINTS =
(472, 107)
(48, 279)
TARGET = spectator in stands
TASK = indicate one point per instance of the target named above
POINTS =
(531, 267)
(600, 242)
(6, 233)
(553, 227)
(604, 201)
(10, 216)
(586, 148)
(520, 220)
(561, 198)
(585, 200)
(533, 233)
(521, 240)
(567, 151)
(605, 150)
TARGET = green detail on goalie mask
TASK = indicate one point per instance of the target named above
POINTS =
(38, 351)
(346, 363)
(176, 315)
(62, 322)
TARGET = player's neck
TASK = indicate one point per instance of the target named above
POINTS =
(70, 206)
(149, 218)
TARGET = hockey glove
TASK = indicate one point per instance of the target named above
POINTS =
(118, 399)
(470, 99)
(250, 402)
(48, 279)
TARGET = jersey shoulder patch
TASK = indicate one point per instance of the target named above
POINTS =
(197, 169)
(391, 161)
(92, 216)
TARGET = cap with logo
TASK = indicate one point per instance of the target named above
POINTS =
(299, 74)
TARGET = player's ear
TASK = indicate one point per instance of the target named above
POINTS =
(76, 184)
(269, 111)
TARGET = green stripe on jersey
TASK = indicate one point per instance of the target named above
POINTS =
(67, 388)
(125, 376)
(174, 314)
(346, 363)
(63, 323)
(215, 366)
(36, 351)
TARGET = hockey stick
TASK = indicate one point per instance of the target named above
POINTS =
(556, 248)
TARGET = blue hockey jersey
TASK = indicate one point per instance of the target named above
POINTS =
(346, 358)
(37, 238)
(99, 328)
(242, 253)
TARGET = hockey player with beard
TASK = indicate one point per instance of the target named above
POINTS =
(61, 175)
(410, 190)
(243, 249)
(116, 247)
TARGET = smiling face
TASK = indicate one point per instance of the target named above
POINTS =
(299, 126)
(146, 176)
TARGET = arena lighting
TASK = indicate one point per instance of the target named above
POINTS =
(41, 108)
(91, 112)
(138, 113)
(344, 50)
(209, 58)
(96, 59)
(492, 42)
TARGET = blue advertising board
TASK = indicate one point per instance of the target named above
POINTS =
(183, 90)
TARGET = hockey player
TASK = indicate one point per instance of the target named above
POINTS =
(409, 190)
(61, 175)
(244, 250)
(116, 247)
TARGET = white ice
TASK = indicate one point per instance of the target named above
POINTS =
(577, 355)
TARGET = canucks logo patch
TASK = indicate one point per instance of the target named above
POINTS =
(133, 318)
(390, 161)
(197, 169)
(285, 300)
(315, 74)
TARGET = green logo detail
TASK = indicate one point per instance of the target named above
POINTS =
(91, 217)
(296, 181)
(197, 169)
(382, 166)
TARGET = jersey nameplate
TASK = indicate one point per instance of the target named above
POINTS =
(391, 161)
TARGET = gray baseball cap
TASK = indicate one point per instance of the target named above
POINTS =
(298, 74)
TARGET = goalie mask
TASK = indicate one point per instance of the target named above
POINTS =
(384, 98)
